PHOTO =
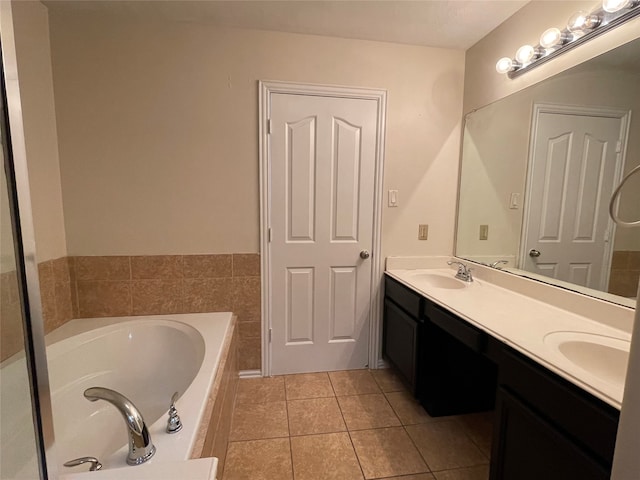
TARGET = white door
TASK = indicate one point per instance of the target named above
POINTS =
(575, 160)
(322, 152)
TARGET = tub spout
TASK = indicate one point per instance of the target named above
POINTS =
(141, 447)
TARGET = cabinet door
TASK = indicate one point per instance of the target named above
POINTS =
(527, 447)
(401, 341)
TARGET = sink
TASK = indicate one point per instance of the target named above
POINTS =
(438, 281)
(603, 357)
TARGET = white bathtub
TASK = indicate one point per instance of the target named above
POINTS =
(146, 359)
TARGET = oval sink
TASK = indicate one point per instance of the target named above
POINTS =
(437, 281)
(605, 358)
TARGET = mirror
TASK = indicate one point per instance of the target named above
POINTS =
(538, 169)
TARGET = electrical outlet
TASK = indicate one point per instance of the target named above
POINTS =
(484, 232)
(423, 232)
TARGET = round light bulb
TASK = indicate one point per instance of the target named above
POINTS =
(613, 6)
(582, 21)
(552, 38)
(526, 54)
(504, 65)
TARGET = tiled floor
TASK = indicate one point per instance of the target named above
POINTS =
(349, 425)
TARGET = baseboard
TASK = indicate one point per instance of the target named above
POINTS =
(382, 363)
(250, 373)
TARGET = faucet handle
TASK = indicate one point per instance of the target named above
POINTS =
(95, 464)
(174, 424)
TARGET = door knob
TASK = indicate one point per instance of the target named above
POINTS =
(364, 254)
(534, 253)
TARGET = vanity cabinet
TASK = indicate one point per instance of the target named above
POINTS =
(548, 428)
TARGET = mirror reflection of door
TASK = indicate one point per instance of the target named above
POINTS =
(576, 158)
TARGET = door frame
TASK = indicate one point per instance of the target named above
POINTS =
(266, 89)
(593, 111)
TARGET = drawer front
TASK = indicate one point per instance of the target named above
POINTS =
(403, 296)
(467, 334)
(591, 422)
(400, 343)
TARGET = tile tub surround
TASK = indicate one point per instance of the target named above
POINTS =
(625, 273)
(356, 424)
(105, 286)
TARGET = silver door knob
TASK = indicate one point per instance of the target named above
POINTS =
(534, 253)
(364, 254)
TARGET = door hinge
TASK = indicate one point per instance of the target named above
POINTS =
(268, 126)
(270, 335)
(618, 146)
(269, 235)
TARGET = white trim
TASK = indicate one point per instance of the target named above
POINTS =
(249, 374)
(592, 111)
(266, 88)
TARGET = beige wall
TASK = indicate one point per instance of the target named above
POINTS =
(31, 30)
(158, 131)
(483, 85)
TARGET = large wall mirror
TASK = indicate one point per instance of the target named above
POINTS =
(537, 172)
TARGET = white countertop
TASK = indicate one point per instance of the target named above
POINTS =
(523, 323)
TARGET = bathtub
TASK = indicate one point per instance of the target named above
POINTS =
(146, 359)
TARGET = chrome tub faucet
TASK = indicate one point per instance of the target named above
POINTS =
(141, 447)
(464, 272)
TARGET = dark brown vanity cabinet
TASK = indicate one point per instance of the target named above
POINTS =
(547, 427)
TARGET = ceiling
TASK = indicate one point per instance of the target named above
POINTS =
(448, 24)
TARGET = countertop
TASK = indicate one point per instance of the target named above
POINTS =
(527, 324)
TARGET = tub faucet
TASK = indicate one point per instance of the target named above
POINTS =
(464, 272)
(141, 447)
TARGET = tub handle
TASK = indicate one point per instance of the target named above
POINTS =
(174, 424)
(95, 464)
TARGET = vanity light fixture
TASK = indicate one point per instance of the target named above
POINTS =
(581, 27)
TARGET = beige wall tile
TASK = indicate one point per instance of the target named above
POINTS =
(166, 267)
(207, 266)
(259, 460)
(324, 457)
(250, 353)
(353, 382)
(61, 272)
(634, 260)
(620, 260)
(207, 295)
(47, 295)
(156, 297)
(104, 298)
(246, 298)
(246, 265)
(64, 302)
(250, 329)
(103, 268)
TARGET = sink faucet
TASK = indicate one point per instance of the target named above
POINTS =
(497, 264)
(464, 272)
(141, 448)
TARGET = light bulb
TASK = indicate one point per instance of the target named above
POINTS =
(505, 65)
(613, 6)
(582, 21)
(553, 37)
(527, 53)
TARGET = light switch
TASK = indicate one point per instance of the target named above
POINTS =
(423, 232)
(514, 201)
(484, 232)
(393, 198)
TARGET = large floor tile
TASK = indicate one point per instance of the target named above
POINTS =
(388, 380)
(445, 445)
(325, 457)
(408, 409)
(353, 382)
(257, 421)
(387, 452)
(479, 427)
(363, 412)
(308, 385)
(472, 473)
(315, 415)
(260, 390)
(259, 460)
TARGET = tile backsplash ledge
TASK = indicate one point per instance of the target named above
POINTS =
(105, 286)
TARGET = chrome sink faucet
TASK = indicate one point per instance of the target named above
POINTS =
(464, 272)
(141, 447)
(497, 264)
